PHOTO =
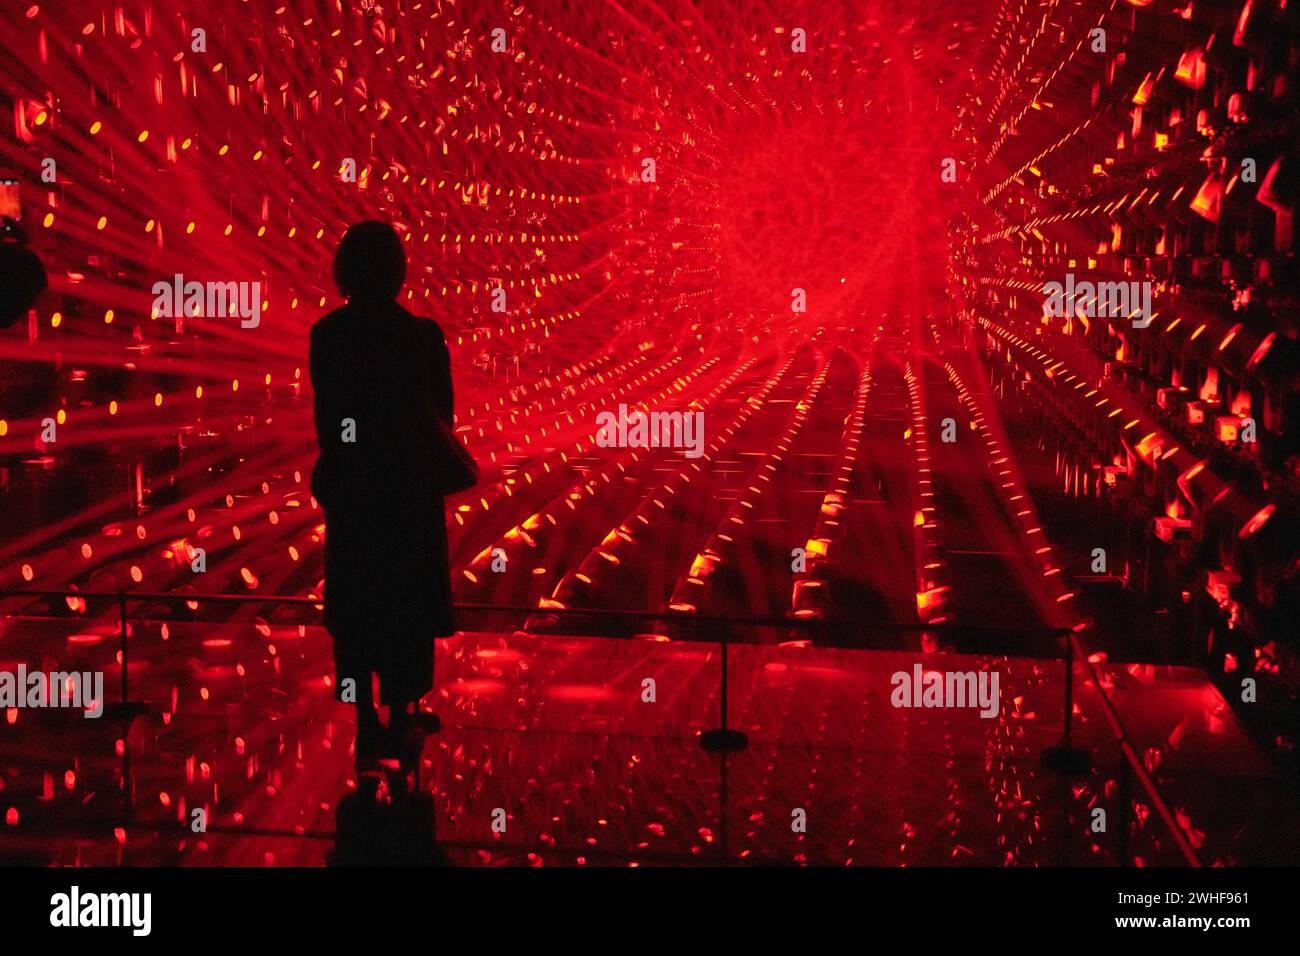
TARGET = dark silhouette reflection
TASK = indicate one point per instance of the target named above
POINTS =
(375, 828)
(22, 276)
(383, 407)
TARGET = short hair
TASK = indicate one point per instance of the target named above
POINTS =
(370, 261)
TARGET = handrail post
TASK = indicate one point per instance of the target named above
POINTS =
(121, 616)
(125, 710)
(1065, 758)
(1126, 810)
(1067, 735)
(127, 795)
(723, 684)
(723, 739)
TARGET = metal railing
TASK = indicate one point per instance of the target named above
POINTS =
(1017, 641)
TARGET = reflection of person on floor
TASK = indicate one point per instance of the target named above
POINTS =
(382, 380)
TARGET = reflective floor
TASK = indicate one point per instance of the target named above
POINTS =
(554, 739)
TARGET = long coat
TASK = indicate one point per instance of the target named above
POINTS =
(379, 375)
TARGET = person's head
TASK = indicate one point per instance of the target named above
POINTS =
(24, 272)
(371, 262)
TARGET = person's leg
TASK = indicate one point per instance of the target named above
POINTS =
(401, 712)
(405, 735)
(370, 729)
(354, 675)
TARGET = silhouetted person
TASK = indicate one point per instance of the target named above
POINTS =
(22, 276)
(382, 379)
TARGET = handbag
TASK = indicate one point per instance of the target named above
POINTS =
(458, 470)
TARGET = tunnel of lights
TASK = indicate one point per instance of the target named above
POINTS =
(827, 227)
